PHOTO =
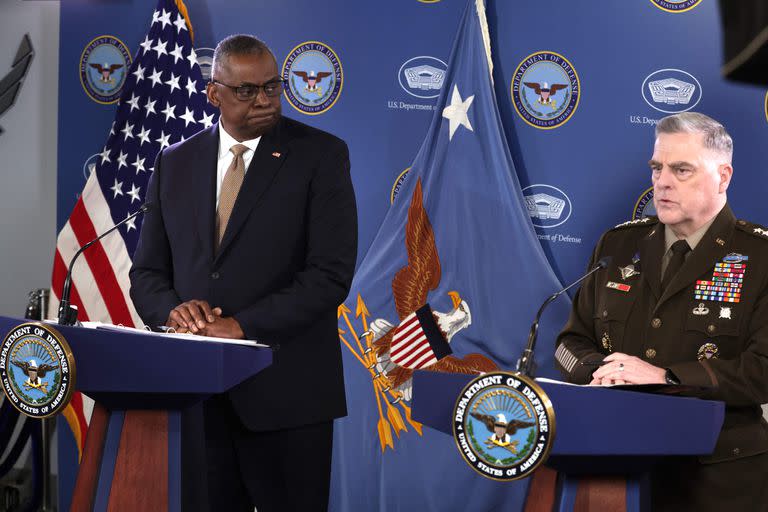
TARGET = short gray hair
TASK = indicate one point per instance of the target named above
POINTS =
(238, 44)
(715, 135)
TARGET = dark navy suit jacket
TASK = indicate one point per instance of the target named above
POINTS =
(284, 265)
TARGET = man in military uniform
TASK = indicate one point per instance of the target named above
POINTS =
(685, 300)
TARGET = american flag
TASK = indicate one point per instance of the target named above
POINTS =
(418, 342)
(162, 102)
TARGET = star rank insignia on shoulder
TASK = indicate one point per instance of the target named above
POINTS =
(753, 229)
(644, 221)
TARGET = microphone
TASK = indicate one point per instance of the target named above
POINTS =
(67, 312)
(526, 365)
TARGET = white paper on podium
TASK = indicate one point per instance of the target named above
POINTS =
(559, 382)
(188, 337)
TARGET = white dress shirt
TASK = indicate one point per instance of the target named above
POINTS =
(226, 141)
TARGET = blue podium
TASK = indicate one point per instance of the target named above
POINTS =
(141, 383)
(605, 443)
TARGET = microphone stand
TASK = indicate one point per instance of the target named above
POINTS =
(526, 365)
(68, 312)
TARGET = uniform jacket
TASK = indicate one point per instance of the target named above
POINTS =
(284, 265)
(672, 329)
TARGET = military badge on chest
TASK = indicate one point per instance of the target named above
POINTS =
(726, 282)
(627, 273)
(708, 351)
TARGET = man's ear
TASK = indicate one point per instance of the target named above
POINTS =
(725, 171)
(212, 92)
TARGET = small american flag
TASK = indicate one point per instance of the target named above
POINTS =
(418, 342)
(163, 102)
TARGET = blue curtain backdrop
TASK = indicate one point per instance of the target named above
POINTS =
(580, 175)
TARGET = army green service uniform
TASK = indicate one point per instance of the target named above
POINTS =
(719, 340)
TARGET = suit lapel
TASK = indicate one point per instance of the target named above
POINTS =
(204, 197)
(651, 251)
(711, 248)
(267, 160)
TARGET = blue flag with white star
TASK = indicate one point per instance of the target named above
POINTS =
(457, 243)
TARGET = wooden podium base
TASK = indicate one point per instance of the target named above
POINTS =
(131, 461)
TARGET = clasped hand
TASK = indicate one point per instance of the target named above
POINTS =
(625, 369)
(197, 317)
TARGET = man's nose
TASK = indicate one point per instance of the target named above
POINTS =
(261, 98)
(664, 178)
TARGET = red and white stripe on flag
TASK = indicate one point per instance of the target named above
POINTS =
(410, 347)
(163, 101)
(100, 282)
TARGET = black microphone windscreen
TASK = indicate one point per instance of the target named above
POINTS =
(604, 261)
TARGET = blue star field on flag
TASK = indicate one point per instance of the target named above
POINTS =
(163, 102)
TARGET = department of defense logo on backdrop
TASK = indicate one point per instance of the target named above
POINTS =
(104, 65)
(545, 90)
(398, 184)
(504, 425)
(676, 5)
(89, 166)
(644, 206)
(422, 76)
(547, 206)
(671, 91)
(37, 370)
(314, 76)
(205, 61)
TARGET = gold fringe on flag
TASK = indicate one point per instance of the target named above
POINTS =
(185, 13)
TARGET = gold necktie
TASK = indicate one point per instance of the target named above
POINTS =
(230, 187)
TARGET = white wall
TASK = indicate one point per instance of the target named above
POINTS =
(28, 154)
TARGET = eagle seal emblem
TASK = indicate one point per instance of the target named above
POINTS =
(676, 6)
(504, 425)
(545, 90)
(314, 76)
(37, 370)
(420, 338)
(104, 66)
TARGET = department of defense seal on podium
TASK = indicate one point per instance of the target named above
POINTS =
(504, 425)
(37, 370)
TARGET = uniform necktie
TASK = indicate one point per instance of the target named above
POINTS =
(679, 250)
(230, 186)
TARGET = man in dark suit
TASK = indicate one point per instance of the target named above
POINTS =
(685, 300)
(254, 235)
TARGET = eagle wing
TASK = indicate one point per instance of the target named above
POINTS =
(533, 85)
(114, 67)
(513, 425)
(44, 368)
(471, 364)
(556, 87)
(322, 74)
(302, 74)
(24, 365)
(97, 67)
(413, 282)
(487, 419)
